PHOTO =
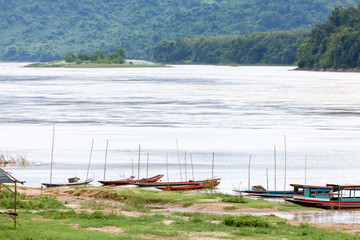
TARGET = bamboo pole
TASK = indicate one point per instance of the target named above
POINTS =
(147, 166)
(52, 153)
(87, 173)
(132, 166)
(192, 168)
(267, 180)
(177, 146)
(15, 205)
(249, 172)
(185, 169)
(107, 143)
(212, 172)
(167, 170)
(305, 167)
(275, 167)
(285, 167)
(139, 164)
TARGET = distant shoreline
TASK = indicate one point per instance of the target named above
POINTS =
(328, 69)
(127, 64)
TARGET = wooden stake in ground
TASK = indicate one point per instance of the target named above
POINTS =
(285, 166)
(212, 172)
(275, 167)
(167, 167)
(87, 173)
(267, 180)
(185, 169)
(177, 146)
(249, 172)
(52, 153)
(147, 166)
(107, 143)
(192, 168)
(139, 164)
(305, 167)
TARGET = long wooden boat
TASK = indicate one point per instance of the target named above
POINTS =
(331, 196)
(76, 183)
(159, 184)
(132, 180)
(286, 194)
(208, 184)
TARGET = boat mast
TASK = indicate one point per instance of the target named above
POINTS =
(177, 146)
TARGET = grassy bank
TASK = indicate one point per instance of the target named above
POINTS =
(92, 65)
(131, 213)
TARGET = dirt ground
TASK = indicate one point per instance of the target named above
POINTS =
(76, 203)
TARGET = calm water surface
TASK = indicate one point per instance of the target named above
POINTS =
(231, 111)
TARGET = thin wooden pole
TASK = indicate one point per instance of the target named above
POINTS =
(249, 172)
(305, 167)
(167, 167)
(132, 166)
(192, 168)
(107, 144)
(212, 172)
(52, 153)
(267, 180)
(185, 169)
(139, 164)
(147, 166)
(275, 167)
(177, 146)
(15, 205)
(285, 167)
(92, 145)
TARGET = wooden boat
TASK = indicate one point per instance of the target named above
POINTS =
(131, 180)
(331, 196)
(200, 186)
(72, 182)
(159, 184)
(286, 194)
(260, 191)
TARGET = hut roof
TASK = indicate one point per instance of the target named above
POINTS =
(6, 177)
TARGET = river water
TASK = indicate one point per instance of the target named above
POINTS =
(233, 112)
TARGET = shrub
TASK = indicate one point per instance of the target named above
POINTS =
(246, 221)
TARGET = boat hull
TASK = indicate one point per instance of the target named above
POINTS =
(130, 181)
(66, 184)
(160, 184)
(189, 187)
(332, 204)
(278, 194)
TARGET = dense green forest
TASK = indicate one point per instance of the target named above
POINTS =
(264, 47)
(42, 30)
(335, 43)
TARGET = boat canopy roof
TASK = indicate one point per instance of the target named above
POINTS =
(311, 186)
(345, 186)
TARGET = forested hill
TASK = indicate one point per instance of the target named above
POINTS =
(44, 30)
(333, 44)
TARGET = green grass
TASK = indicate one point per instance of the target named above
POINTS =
(54, 223)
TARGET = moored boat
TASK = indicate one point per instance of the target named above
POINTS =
(331, 196)
(265, 193)
(200, 186)
(132, 180)
(159, 184)
(71, 182)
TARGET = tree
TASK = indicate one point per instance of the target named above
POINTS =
(70, 57)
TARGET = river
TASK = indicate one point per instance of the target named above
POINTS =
(233, 112)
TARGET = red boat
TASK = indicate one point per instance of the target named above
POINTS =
(131, 180)
(198, 186)
(159, 184)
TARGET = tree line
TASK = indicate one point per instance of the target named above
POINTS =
(334, 43)
(275, 47)
(117, 57)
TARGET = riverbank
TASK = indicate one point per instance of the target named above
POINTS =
(328, 69)
(127, 64)
(133, 213)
